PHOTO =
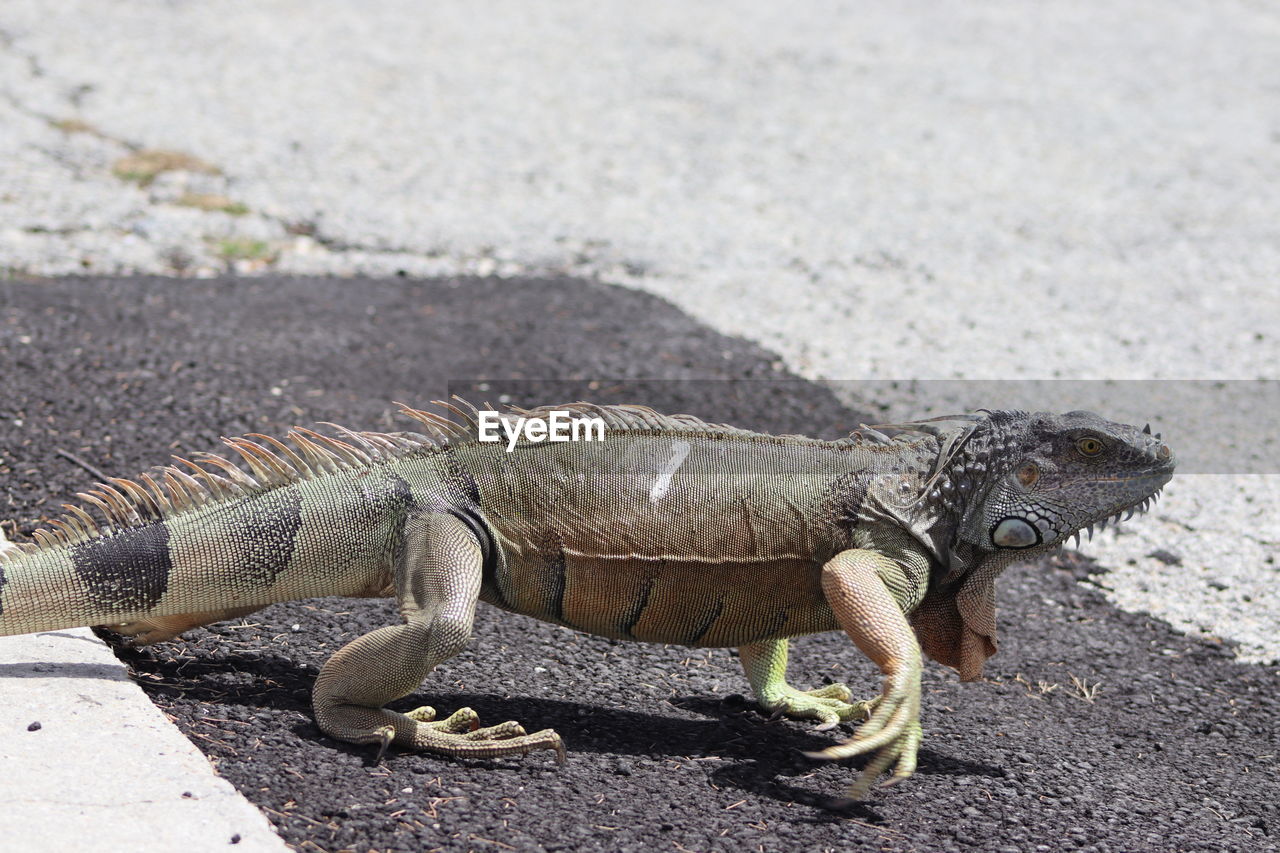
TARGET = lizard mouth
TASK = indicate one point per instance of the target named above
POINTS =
(1139, 507)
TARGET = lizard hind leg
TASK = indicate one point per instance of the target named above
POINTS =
(765, 664)
(438, 584)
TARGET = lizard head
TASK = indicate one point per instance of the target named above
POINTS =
(1017, 484)
(1050, 476)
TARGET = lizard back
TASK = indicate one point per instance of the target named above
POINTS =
(668, 535)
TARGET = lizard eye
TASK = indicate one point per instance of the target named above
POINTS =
(1089, 446)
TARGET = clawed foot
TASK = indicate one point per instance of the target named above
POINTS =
(460, 735)
(829, 705)
(893, 733)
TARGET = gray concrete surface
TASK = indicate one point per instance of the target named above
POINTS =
(90, 763)
(88, 759)
(876, 191)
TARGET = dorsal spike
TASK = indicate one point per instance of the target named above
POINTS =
(438, 425)
(102, 506)
(212, 483)
(138, 498)
(266, 466)
(873, 434)
(196, 492)
(120, 506)
(466, 410)
(379, 441)
(356, 438)
(86, 520)
(460, 412)
(65, 529)
(179, 497)
(260, 472)
(340, 450)
(45, 539)
(234, 474)
(318, 460)
(158, 493)
(299, 464)
(405, 441)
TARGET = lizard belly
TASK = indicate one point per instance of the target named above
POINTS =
(672, 600)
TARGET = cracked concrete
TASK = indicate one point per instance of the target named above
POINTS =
(173, 240)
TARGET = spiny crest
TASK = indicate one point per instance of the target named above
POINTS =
(972, 449)
(167, 491)
(617, 417)
(625, 417)
(951, 431)
(439, 428)
(636, 417)
(631, 417)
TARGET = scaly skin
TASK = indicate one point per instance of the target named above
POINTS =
(873, 619)
(669, 530)
(765, 664)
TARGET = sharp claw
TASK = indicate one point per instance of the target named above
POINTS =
(859, 791)
(386, 735)
(829, 705)
(892, 743)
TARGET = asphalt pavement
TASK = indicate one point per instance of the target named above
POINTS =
(1095, 729)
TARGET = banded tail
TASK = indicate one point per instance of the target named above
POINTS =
(211, 540)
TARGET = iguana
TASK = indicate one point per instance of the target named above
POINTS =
(669, 530)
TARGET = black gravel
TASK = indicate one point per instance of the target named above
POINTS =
(1095, 730)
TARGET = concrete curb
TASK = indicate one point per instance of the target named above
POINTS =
(100, 765)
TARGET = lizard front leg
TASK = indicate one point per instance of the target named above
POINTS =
(765, 664)
(854, 583)
(438, 583)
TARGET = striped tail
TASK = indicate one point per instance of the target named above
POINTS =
(105, 580)
(217, 525)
